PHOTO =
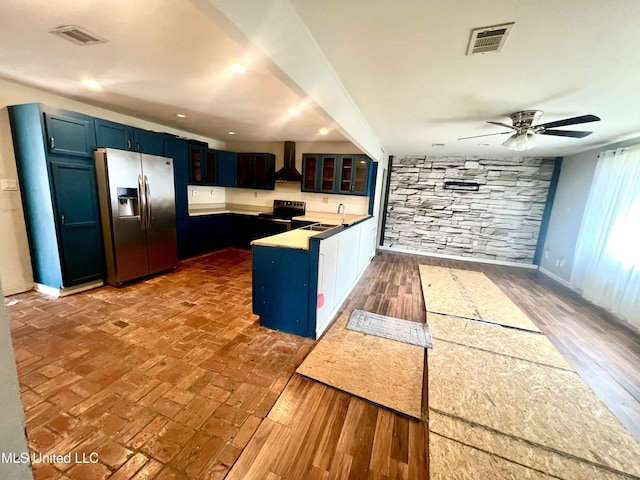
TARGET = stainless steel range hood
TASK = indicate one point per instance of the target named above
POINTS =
(288, 173)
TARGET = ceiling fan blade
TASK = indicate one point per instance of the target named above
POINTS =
(570, 121)
(501, 124)
(487, 135)
(566, 133)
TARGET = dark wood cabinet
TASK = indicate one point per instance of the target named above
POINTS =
(329, 173)
(59, 195)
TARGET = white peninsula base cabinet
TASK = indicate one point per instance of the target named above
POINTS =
(342, 261)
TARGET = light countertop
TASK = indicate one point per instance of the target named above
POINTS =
(292, 239)
(331, 218)
(218, 208)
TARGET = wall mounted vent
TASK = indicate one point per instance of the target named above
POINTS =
(488, 39)
(77, 35)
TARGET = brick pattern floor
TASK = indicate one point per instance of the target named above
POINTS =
(167, 378)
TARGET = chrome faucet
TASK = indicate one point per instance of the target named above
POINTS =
(341, 207)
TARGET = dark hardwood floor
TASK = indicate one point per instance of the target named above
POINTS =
(173, 377)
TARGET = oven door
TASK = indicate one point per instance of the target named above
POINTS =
(271, 226)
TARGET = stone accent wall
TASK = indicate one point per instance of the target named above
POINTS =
(500, 221)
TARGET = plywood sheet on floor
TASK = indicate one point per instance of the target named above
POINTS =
(383, 371)
(464, 450)
(531, 346)
(469, 294)
(540, 404)
(452, 460)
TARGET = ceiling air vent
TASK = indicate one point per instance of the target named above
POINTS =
(77, 35)
(488, 39)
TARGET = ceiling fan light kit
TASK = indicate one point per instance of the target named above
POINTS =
(524, 129)
(520, 142)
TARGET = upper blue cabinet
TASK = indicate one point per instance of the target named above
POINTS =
(69, 133)
(330, 173)
(256, 170)
(124, 137)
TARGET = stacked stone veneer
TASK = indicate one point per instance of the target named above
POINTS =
(500, 221)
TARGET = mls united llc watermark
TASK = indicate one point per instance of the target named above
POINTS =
(35, 457)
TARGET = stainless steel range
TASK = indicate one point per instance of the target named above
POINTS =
(285, 210)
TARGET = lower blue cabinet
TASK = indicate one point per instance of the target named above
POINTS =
(281, 289)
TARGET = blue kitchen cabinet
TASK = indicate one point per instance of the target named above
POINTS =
(209, 232)
(69, 133)
(282, 301)
(319, 173)
(353, 175)
(342, 174)
(256, 170)
(81, 250)
(178, 149)
(59, 195)
(124, 137)
(202, 165)
(227, 163)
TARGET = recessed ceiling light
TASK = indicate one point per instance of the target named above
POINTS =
(231, 133)
(181, 115)
(294, 111)
(323, 131)
(236, 67)
(91, 84)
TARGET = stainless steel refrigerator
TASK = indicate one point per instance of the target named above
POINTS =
(138, 213)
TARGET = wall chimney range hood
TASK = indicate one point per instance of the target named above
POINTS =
(288, 173)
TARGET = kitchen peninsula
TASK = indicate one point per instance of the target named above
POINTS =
(301, 277)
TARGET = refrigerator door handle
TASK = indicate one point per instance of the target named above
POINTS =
(143, 204)
(147, 199)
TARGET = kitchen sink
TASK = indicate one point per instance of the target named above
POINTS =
(319, 227)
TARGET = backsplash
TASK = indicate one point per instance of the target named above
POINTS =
(316, 202)
(500, 221)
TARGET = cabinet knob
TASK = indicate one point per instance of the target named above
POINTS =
(128, 144)
(52, 142)
(62, 219)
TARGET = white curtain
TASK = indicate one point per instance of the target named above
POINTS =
(606, 265)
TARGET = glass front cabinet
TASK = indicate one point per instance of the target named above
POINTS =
(343, 174)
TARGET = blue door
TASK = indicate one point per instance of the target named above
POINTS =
(80, 236)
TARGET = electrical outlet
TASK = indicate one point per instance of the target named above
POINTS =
(213, 192)
(325, 199)
(255, 194)
(9, 184)
(194, 193)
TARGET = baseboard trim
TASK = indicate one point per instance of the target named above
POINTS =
(557, 279)
(17, 289)
(464, 259)
(65, 291)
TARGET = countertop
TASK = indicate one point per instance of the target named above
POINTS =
(331, 218)
(218, 208)
(323, 217)
(292, 239)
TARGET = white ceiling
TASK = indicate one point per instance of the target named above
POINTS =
(373, 71)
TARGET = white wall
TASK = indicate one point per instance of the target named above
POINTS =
(15, 262)
(574, 184)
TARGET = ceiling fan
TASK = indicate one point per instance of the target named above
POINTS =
(525, 128)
